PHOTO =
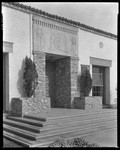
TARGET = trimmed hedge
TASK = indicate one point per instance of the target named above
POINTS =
(85, 82)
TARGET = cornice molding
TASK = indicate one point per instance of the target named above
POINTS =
(49, 25)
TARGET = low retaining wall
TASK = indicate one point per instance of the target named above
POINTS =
(87, 103)
(21, 106)
(93, 102)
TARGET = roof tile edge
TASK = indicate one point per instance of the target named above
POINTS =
(64, 20)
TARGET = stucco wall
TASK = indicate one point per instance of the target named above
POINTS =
(89, 47)
(16, 29)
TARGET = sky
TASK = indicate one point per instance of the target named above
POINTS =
(103, 16)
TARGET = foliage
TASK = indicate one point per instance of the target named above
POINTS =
(79, 103)
(74, 142)
(85, 82)
(30, 77)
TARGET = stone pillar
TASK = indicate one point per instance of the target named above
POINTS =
(41, 102)
(73, 78)
(39, 59)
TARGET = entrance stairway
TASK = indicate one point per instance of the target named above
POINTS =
(35, 131)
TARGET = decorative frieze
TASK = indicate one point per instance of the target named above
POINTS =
(39, 39)
(49, 25)
(58, 41)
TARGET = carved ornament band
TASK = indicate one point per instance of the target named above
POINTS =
(54, 26)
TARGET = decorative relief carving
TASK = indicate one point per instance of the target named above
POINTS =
(73, 46)
(58, 42)
(39, 37)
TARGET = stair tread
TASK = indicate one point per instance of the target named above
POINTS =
(60, 125)
(78, 117)
(64, 127)
(72, 129)
(25, 120)
(17, 130)
(50, 140)
(65, 117)
(17, 138)
(83, 118)
(47, 139)
(67, 129)
(21, 124)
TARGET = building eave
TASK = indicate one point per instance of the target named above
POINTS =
(32, 10)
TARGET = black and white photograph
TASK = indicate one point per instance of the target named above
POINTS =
(59, 74)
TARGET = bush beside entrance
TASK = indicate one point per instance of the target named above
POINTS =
(85, 101)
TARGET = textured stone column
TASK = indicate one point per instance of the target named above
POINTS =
(41, 102)
(39, 59)
(73, 78)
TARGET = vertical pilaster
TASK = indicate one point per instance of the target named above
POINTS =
(73, 77)
(39, 59)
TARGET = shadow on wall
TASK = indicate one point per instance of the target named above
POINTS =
(21, 81)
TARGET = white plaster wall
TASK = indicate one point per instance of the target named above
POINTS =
(16, 29)
(89, 47)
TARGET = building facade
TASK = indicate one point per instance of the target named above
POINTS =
(61, 49)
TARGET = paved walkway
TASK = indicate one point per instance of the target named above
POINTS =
(106, 139)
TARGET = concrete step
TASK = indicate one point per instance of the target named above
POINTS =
(65, 134)
(56, 126)
(33, 136)
(73, 119)
(34, 132)
(48, 141)
(22, 125)
(27, 121)
(84, 114)
(76, 123)
(49, 125)
(67, 120)
(76, 128)
(20, 140)
(26, 134)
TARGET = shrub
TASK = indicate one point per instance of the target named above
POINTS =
(80, 142)
(85, 83)
(74, 142)
(78, 103)
(59, 143)
(30, 77)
